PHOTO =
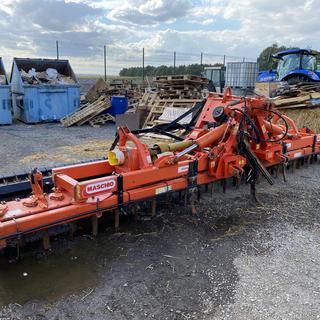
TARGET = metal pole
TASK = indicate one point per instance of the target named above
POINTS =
(244, 59)
(105, 62)
(224, 60)
(57, 47)
(201, 59)
(143, 64)
(174, 62)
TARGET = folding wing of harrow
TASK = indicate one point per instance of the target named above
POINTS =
(232, 137)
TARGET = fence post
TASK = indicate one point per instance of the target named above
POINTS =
(201, 59)
(174, 62)
(142, 64)
(224, 60)
(57, 47)
(244, 59)
(105, 62)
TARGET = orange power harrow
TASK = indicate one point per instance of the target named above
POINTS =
(232, 137)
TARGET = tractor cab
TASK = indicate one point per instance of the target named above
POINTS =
(216, 76)
(293, 66)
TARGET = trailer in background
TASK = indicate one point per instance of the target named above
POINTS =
(43, 90)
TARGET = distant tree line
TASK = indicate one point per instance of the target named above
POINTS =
(195, 69)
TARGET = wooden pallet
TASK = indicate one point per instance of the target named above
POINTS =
(101, 119)
(159, 106)
(185, 77)
(147, 100)
(86, 112)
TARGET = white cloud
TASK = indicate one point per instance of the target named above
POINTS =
(150, 12)
(30, 28)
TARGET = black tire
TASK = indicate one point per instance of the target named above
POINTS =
(298, 79)
(211, 87)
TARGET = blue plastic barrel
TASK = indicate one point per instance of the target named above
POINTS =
(119, 105)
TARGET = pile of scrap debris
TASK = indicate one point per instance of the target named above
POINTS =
(3, 79)
(301, 102)
(50, 76)
(95, 104)
(164, 101)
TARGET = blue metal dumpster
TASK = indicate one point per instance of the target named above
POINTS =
(5, 98)
(43, 102)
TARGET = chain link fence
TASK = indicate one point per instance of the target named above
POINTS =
(118, 59)
(92, 59)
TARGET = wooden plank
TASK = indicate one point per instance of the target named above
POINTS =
(295, 100)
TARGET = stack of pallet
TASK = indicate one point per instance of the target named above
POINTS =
(89, 113)
(301, 103)
(180, 86)
(306, 95)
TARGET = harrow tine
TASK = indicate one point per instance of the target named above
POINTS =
(116, 219)
(213, 189)
(135, 212)
(276, 171)
(293, 166)
(307, 161)
(18, 250)
(20, 244)
(73, 228)
(169, 199)
(94, 224)
(186, 199)
(224, 185)
(253, 193)
(283, 171)
(271, 171)
(154, 207)
(193, 203)
(46, 240)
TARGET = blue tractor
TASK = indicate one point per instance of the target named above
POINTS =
(294, 66)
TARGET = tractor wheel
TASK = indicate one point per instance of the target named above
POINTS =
(298, 79)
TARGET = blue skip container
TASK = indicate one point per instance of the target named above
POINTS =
(119, 105)
(5, 97)
(43, 102)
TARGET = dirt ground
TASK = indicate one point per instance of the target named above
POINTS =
(233, 260)
(24, 147)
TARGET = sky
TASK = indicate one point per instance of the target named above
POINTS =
(235, 28)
